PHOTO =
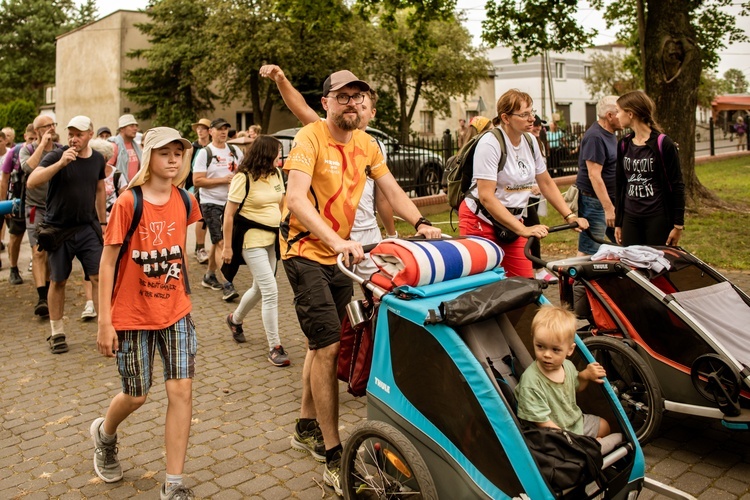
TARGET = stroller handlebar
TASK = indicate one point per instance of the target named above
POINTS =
(376, 290)
(531, 239)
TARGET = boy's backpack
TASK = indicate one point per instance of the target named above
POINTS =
(137, 214)
(459, 168)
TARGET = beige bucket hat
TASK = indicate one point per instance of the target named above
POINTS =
(156, 138)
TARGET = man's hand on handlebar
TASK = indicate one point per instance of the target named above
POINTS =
(429, 232)
(350, 248)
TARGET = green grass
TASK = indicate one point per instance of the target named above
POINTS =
(719, 237)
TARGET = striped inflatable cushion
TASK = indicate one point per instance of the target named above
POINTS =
(423, 262)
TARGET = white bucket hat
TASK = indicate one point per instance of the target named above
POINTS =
(156, 138)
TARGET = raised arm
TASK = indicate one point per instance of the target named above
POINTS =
(292, 98)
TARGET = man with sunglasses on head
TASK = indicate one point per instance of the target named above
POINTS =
(327, 168)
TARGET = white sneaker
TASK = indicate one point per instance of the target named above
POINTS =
(543, 275)
(88, 312)
(201, 256)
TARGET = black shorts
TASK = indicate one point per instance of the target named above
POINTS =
(16, 227)
(86, 245)
(213, 215)
(321, 293)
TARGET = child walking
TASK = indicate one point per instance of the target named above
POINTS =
(546, 393)
(145, 307)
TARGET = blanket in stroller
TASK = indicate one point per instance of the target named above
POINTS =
(423, 262)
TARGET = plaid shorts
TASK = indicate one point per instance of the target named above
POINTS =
(135, 359)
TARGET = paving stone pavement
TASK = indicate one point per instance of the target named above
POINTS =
(243, 413)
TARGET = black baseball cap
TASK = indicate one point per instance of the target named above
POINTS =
(219, 122)
(538, 121)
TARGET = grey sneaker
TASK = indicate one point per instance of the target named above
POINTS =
(238, 334)
(277, 356)
(229, 292)
(332, 475)
(310, 440)
(106, 464)
(181, 492)
(211, 282)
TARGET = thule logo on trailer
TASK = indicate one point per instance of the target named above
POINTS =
(601, 267)
(382, 385)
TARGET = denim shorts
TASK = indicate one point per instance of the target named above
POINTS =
(321, 293)
(590, 208)
(213, 215)
(176, 344)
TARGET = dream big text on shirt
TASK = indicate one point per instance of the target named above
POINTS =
(151, 274)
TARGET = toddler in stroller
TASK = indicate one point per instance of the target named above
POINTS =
(547, 389)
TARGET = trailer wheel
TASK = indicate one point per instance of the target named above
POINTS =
(634, 383)
(379, 462)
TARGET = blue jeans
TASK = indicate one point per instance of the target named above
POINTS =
(590, 208)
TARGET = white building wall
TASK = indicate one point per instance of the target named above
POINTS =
(570, 90)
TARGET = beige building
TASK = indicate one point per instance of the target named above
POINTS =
(90, 68)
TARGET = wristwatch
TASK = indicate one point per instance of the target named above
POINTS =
(421, 221)
(681, 228)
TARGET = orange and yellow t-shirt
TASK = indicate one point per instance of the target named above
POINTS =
(150, 290)
(338, 174)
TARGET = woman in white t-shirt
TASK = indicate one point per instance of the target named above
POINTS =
(496, 200)
(251, 224)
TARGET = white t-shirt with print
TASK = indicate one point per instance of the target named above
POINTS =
(222, 164)
(514, 182)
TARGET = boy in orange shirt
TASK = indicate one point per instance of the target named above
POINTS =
(145, 307)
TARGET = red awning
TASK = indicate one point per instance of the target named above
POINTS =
(730, 102)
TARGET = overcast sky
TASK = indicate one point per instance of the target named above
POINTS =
(736, 56)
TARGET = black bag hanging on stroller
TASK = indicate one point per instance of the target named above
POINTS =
(566, 460)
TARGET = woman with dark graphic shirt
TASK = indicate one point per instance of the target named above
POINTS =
(650, 201)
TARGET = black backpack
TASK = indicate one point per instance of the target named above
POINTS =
(567, 461)
(210, 154)
(459, 169)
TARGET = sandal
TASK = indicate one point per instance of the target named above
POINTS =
(57, 344)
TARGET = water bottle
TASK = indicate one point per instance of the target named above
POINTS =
(11, 207)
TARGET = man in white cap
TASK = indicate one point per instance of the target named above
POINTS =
(204, 139)
(127, 157)
(146, 305)
(75, 214)
(327, 169)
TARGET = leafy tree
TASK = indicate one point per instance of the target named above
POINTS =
(710, 87)
(610, 75)
(734, 82)
(418, 59)
(28, 29)
(672, 39)
(168, 88)
(308, 39)
(17, 114)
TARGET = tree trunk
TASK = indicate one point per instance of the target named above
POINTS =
(672, 75)
(404, 123)
(255, 97)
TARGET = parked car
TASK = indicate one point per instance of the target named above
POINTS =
(416, 169)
